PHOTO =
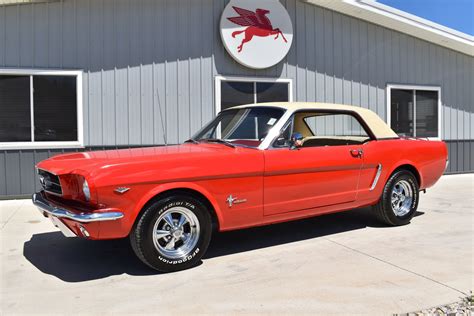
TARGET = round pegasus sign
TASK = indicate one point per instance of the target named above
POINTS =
(256, 33)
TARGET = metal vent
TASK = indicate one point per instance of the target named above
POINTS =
(50, 182)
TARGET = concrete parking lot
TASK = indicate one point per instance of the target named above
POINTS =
(339, 263)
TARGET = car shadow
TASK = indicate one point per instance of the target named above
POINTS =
(79, 260)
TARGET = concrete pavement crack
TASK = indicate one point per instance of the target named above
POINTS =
(11, 216)
(396, 266)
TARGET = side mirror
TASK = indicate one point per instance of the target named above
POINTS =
(281, 142)
(296, 141)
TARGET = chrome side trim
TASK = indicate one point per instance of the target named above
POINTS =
(377, 177)
(44, 206)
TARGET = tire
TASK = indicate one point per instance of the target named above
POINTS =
(181, 248)
(393, 209)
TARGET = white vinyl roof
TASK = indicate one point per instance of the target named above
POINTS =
(377, 13)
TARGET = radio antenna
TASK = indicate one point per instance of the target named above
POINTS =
(161, 117)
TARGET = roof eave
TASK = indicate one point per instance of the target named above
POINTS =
(401, 21)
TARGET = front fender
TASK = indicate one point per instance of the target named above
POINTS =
(161, 188)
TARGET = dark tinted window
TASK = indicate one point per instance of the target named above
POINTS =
(15, 119)
(414, 112)
(52, 110)
(272, 92)
(402, 111)
(239, 93)
(236, 93)
(55, 108)
(426, 113)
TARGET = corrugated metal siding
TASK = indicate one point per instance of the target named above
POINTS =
(137, 54)
(461, 156)
(17, 173)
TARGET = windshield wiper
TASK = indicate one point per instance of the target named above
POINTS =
(220, 141)
(192, 140)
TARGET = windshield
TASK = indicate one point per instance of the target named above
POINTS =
(247, 127)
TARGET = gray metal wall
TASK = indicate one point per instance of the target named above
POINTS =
(137, 52)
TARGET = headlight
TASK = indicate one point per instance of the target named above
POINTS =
(86, 190)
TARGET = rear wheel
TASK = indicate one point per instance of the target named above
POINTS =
(399, 200)
(172, 234)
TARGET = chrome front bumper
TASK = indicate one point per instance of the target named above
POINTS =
(46, 207)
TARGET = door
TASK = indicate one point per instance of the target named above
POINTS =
(324, 171)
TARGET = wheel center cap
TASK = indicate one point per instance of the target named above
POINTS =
(178, 233)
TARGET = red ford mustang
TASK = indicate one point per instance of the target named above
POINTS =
(252, 165)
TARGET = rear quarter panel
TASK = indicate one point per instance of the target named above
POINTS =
(428, 157)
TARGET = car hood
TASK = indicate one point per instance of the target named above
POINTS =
(95, 161)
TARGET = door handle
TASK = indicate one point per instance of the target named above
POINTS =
(357, 153)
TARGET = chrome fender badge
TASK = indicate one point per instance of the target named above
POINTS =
(121, 190)
(232, 200)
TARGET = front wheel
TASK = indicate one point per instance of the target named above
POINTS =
(399, 200)
(172, 234)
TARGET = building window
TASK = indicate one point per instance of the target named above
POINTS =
(414, 110)
(40, 109)
(232, 91)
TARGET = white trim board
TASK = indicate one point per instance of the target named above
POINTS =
(386, 16)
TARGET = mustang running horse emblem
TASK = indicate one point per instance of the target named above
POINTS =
(258, 24)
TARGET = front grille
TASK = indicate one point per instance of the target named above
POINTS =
(50, 182)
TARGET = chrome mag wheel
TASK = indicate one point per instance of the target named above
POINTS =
(402, 198)
(176, 232)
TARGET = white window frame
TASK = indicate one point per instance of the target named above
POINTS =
(255, 80)
(45, 144)
(414, 88)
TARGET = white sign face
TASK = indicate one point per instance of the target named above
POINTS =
(256, 33)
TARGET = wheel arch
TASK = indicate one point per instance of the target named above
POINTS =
(409, 167)
(195, 191)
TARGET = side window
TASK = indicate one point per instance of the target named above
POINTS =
(323, 129)
(334, 125)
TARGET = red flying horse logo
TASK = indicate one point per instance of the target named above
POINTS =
(258, 24)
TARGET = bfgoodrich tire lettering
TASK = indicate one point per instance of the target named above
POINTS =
(401, 188)
(154, 250)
